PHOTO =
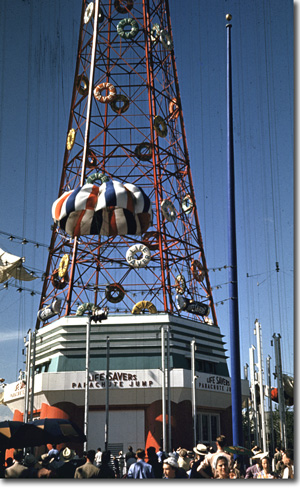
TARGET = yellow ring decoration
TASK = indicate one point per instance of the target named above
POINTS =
(63, 265)
(71, 139)
(140, 306)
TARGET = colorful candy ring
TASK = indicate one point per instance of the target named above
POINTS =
(138, 262)
(105, 99)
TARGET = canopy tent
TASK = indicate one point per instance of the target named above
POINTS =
(11, 266)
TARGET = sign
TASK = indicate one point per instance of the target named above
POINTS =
(215, 383)
(97, 380)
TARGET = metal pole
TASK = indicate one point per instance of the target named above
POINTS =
(272, 447)
(169, 448)
(87, 380)
(253, 393)
(163, 394)
(236, 390)
(107, 394)
(32, 375)
(193, 373)
(281, 403)
(248, 417)
(27, 377)
(261, 384)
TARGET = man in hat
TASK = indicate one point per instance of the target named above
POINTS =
(31, 462)
(172, 470)
(67, 470)
(200, 452)
(183, 459)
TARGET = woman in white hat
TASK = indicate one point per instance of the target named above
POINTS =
(200, 453)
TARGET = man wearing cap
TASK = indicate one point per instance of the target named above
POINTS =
(67, 470)
(200, 453)
(172, 470)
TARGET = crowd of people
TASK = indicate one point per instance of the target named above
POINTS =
(203, 462)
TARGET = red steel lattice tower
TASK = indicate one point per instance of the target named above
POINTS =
(126, 232)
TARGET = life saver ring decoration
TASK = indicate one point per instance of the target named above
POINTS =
(187, 204)
(71, 139)
(142, 305)
(133, 31)
(63, 265)
(168, 210)
(133, 258)
(143, 156)
(57, 282)
(197, 270)
(82, 83)
(124, 107)
(114, 293)
(105, 99)
(86, 306)
(166, 40)
(97, 176)
(123, 10)
(174, 108)
(155, 32)
(180, 284)
(88, 13)
(160, 126)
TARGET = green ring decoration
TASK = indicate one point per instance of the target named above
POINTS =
(160, 126)
(134, 28)
(97, 176)
(166, 40)
(120, 98)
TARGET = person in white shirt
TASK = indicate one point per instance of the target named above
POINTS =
(98, 457)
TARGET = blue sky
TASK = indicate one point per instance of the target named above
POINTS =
(38, 46)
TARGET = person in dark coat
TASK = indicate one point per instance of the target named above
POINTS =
(105, 471)
(156, 465)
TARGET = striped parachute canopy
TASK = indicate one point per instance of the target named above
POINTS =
(112, 209)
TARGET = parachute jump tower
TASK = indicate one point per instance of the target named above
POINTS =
(126, 232)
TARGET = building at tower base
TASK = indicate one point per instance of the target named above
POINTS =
(135, 379)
